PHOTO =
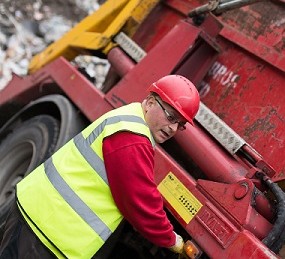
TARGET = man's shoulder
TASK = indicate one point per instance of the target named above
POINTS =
(128, 137)
(125, 139)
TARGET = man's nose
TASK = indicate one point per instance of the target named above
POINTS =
(173, 126)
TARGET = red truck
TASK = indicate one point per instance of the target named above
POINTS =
(222, 182)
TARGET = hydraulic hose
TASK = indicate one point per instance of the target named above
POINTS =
(276, 237)
(279, 243)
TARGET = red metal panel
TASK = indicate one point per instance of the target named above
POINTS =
(160, 21)
(82, 92)
(159, 62)
(57, 77)
(248, 95)
(261, 50)
(217, 227)
(258, 28)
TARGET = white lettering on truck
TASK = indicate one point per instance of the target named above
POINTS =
(223, 75)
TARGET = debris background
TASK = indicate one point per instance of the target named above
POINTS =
(28, 26)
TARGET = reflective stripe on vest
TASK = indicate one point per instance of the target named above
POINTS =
(75, 202)
(87, 207)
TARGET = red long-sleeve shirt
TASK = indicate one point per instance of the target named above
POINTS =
(129, 162)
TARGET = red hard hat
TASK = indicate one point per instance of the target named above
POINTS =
(180, 93)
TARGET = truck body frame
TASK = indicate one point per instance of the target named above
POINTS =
(207, 177)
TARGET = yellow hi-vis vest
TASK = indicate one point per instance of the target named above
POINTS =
(67, 200)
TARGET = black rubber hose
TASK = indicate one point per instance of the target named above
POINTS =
(276, 235)
(276, 247)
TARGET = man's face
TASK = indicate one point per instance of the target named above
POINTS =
(163, 120)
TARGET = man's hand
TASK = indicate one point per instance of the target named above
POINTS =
(179, 245)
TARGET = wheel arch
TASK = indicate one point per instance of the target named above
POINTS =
(58, 106)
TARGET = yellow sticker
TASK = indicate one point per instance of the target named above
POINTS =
(179, 197)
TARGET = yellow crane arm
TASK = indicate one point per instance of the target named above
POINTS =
(96, 31)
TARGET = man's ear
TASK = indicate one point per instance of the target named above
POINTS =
(150, 101)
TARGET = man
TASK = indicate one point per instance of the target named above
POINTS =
(70, 205)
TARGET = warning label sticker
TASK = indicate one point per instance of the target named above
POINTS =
(179, 197)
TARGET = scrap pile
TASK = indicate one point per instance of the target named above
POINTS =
(28, 26)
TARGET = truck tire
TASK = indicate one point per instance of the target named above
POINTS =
(28, 145)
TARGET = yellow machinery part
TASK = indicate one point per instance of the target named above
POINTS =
(96, 31)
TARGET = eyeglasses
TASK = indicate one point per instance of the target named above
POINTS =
(171, 118)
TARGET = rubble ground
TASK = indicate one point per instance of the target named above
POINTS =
(29, 26)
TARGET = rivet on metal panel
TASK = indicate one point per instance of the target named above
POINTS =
(241, 191)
